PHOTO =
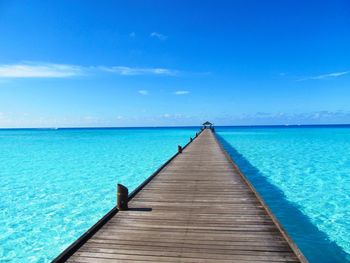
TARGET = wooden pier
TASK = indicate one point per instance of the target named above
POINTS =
(197, 208)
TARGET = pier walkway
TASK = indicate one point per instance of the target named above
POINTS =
(198, 208)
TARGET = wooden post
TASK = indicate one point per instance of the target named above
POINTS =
(179, 149)
(191, 139)
(122, 197)
(196, 134)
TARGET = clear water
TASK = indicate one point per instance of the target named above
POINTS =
(304, 176)
(55, 184)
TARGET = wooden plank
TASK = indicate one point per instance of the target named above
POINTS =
(197, 208)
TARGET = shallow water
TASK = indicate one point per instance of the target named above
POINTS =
(304, 176)
(55, 184)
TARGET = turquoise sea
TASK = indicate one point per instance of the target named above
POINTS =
(55, 184)
(303, 174)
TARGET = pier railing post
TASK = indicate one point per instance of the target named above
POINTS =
(122, 197)
(179, 148)
(191, 139)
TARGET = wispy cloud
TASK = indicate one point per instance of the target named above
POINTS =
(143, 92)
(43, 70)
(158, 35)
(181, 92)
(331, 75)
(132, 35)
(121, 70)
(51, 70)
(314, 117)
(327, 76)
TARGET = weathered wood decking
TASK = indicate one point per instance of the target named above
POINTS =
(197, 209)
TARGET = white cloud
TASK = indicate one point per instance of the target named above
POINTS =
(143, 92)
(45, 70)
(121, 70)
(158, 35)
(181, 92)
(327, 76)
(331, 75)
(51, 70)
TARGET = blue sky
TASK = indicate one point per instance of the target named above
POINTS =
(158, 63)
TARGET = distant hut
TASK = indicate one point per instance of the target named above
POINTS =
(207, 125)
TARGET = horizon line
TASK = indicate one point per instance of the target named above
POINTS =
(172, 126)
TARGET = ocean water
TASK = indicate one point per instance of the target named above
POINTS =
(55, 184)
(303, 174)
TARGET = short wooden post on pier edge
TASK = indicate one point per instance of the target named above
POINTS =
(122, 197)
(191, 139)
(179, 149)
